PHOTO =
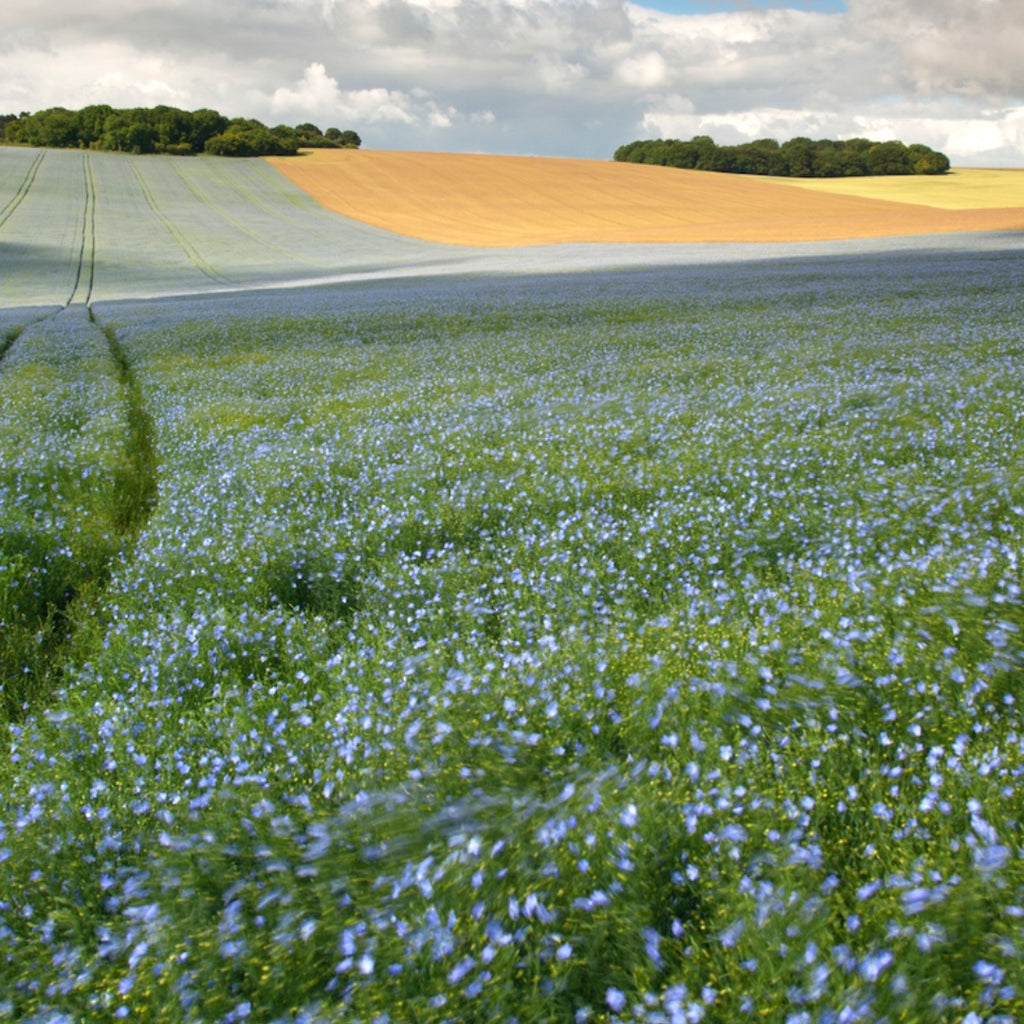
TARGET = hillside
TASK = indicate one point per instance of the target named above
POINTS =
(80, 225)
(471, 199)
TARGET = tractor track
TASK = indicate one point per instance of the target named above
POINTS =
(190, 251)
(7, 210)
(131, 485)
(85, 259)
(85, 273)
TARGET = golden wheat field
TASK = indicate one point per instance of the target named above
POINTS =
(473, 199)
(964, 188)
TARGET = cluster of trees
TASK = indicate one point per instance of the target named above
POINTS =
(797, 158)
(165, 130)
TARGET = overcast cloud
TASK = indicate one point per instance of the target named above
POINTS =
(550, 77)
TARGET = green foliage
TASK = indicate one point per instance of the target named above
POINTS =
(165, 129)
(797, 158)
(346, 139)
(246, 137)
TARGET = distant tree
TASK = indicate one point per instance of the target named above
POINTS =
(206, 124)
(119, 132)
(923, 160)
(91, 120)
(54, 127)
(851, 158)
(888, 158)
(337, 139)
(8, 121)
(164, 129)
(286, 134)
(705, 148)
(760, 157)
(799, 157)
(629, 152)
(248, 137)
(309, 136)
(676, 153)
(724, 159)
(173, 128)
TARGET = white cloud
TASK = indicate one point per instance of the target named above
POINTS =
(646, 71)
(961, 47)
(571, 77)
(317, 94)
(316, 91)
(994, 136)
(737, 126)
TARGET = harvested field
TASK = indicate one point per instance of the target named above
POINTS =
(965, 188)
(472, 199)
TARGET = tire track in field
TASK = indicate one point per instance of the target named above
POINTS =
(85, 260)
(85, 272)
(190, 251)
(206, 200)
(12, 334)
(253, 195)
(16, 200)
(40, 644)
(43, 641)
(136, 486)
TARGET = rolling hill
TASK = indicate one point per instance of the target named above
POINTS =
(472, 199)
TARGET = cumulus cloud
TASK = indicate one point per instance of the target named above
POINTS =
(317, 94)
(961, 47)
(570, 77)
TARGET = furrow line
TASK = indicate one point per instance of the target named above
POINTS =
(9, 338)
(23, 189)
(40, 643)
(136, 484)
(190, 251)
(87, 248)
(201, 196)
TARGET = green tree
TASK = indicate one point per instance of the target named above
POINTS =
(55, 127)
(248, 137)
(164, 129)
(798, 156)
(9, 127)
(173, 130)
(347, 139)
(309, 134)
(91, 120)
(206, 124)
(759, 157)
(888, 158)
(852, 161)
(924, 160)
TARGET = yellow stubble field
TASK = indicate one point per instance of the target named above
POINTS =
(482, 200)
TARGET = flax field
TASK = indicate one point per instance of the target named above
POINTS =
(621, 645)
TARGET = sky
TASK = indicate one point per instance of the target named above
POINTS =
(574, 78)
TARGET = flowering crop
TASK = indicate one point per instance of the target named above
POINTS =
(622, 647)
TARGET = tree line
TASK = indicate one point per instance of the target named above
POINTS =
(165, 129)
(797, 158)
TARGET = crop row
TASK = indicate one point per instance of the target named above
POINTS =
(137, 226)
(624, 647)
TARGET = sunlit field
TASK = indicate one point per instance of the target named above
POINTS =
(493, 201)
(965, 188)
(635, 646)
